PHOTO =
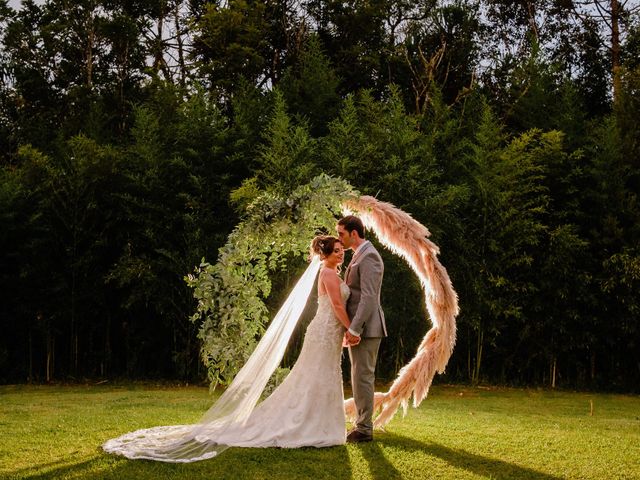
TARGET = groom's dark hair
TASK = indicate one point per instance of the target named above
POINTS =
(351, 223)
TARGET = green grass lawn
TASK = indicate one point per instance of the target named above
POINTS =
(457, 433)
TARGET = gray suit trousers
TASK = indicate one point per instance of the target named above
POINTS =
(363, 365)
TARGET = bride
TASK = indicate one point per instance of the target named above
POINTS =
(307, 409)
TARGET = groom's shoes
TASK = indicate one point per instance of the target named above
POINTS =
(355, 436)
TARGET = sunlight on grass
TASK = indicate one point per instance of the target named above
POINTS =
(457, 433)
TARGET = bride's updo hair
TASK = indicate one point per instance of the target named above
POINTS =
(323, 245)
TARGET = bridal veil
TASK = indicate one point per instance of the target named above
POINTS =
(189, 443)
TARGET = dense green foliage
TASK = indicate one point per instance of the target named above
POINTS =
(136, 135)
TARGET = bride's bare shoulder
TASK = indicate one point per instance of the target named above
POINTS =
(329, 274)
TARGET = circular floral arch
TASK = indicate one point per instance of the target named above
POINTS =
(231, 294)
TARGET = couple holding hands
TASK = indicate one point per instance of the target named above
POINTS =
(307, 408)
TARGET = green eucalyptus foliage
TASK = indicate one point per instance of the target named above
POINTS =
(275, 234)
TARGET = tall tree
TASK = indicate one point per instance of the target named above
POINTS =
(76, 65)
(610, 18)
(355, 37)
(507, 206)
(286, 159)
(441, 50)
(310, 87)
(246, 39)
(69, 194)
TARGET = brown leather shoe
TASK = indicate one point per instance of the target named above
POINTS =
(355, 436)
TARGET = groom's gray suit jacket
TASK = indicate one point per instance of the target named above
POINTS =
(364, 278)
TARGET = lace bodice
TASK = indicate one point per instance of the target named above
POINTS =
(344, 291)
(325, 319)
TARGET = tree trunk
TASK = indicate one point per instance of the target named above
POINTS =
(74, 278)
(533, 25)
(181, 64)
(74, 327)
(615, 49)
(30, 376)
(158, 60)
(553, 372)
(469, 374)
(479, 346)
(89, 50)
(50, 341)
(106, 361)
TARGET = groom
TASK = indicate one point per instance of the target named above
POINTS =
(364, 278)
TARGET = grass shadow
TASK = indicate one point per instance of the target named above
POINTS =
(269, 463)
(60, 468)
(235, 463)
(380, 467)
(477, 464)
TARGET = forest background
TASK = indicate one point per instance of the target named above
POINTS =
(135, 135)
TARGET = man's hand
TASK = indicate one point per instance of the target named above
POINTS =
(350, 340)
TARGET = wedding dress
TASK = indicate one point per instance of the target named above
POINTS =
(306, 409)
